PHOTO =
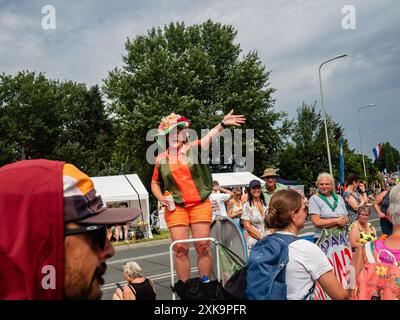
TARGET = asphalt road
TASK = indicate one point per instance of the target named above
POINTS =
(153, 257)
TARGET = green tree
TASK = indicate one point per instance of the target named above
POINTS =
(87, 137)
(29, 116)
(389, 158)
(305, 156)
(42, 118)
(196, 71)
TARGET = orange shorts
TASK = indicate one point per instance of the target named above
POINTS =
(186, 216)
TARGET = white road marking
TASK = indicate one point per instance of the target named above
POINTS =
(147, 256)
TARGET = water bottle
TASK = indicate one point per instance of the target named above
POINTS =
(205, 279)
(170, 199)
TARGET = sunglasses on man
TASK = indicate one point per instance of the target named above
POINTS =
(98, 234)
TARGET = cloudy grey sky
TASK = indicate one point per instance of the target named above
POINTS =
(291, 37)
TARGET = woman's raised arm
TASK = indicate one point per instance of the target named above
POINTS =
(229, 120)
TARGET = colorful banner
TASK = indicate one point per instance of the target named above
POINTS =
(335, 244)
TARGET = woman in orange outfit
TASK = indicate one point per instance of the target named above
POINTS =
(178, 171)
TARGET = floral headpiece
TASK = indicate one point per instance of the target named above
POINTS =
(171, 121)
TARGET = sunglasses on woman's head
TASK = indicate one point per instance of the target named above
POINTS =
(98, 234)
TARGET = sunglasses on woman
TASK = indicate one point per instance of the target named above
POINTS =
(98, 234)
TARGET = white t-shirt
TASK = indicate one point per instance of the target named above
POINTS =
(307, 263)
(218, 203)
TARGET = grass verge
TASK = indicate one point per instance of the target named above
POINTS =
(164, 234)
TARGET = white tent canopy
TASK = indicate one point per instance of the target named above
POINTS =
(231, 179)
(235, 179)
(226, 179)
(120, 188)
(125, 188)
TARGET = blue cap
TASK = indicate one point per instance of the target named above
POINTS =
(254, 183)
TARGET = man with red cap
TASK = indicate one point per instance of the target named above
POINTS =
(53, 242)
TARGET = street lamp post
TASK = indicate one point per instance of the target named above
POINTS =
(323, 111)
(359, 133)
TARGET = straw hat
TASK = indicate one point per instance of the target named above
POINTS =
(270, 172)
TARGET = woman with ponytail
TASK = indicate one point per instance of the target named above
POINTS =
(307, 264)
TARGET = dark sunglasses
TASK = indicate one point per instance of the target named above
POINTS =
(98, 234)
(271, 178)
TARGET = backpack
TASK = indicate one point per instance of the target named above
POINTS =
(377, 280)
(235, 287)
(266, 268)
(196, 289)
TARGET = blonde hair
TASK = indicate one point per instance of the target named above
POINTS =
(281, 206)
(236, 189)
(133, 270)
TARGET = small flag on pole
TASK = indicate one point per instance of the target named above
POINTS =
(377, 151)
